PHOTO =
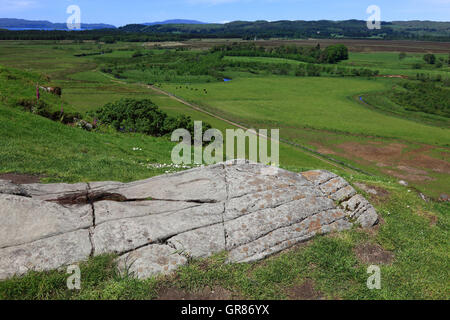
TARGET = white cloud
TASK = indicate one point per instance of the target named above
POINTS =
(16, 5)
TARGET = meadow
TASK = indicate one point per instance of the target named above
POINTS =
(347, 118)
(331, 127)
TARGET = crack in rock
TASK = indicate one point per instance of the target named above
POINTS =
(160, 223)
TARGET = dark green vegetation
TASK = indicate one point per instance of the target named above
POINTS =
(331, 54)
(186, 66)
(322, 113)
(429, 58)
(142, 116)
(324, 29)
(423, 97)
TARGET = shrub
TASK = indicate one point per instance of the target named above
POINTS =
(429, 58)
(143, 116)
(335, 53)
(137, 54)
(133, 116)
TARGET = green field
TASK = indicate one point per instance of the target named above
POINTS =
(306, 115)
(389, 63)
(323, 114)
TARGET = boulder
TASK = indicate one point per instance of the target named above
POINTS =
(249, 210)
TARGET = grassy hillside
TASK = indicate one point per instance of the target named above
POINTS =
(32, 144)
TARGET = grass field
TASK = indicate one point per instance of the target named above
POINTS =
(389, 63)
(334, 122)
(322, 113)
(34, 145)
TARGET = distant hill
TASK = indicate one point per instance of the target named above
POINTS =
(408, 30)
(21, 24)
(173, 21)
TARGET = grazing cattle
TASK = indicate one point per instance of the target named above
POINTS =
(53, 90)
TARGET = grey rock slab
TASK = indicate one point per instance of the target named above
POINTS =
(250, 227)
(270, 198)
(338, 189)
(200, 243)
(24, 220)
(252, 178)
(111, 210)
(7, 187)
(318, 177)
(359, 209)
(343, 194)
(128, 234)
(369, 218)
(285, 238)
(333, 185)
(199, 185)
(55, 191)
(150, 261)
(249, 209)
(46, 254)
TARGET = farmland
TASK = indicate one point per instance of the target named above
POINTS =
(337, 124)
(337, 119)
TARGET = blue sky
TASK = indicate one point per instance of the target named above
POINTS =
(136, 11)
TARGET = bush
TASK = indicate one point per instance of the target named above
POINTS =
(429, 58)
(137, 54)
(133, 116)
(335, 53)
(424, 97)
(313, 70)
(143, 116)
(300, 72)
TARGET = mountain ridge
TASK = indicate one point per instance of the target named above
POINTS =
(13, 23)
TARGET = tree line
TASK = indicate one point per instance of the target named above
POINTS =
(331, 54)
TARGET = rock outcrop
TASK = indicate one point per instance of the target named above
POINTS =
(249, 210)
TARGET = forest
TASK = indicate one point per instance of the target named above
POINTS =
(324, 29)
